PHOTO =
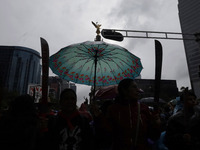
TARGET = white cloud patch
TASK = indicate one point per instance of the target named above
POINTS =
(64, 22)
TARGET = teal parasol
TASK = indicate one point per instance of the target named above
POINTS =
(95, 63)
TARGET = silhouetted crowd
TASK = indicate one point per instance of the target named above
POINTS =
(121, 124)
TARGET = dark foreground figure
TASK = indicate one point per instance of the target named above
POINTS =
(18, 127)
(70, 129)
(183, 128)
(130, 124)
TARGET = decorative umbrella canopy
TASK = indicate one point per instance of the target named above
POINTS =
(95, 63)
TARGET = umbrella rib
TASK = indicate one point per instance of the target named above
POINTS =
(99, 60)
(112, 49)
(105, 46)
(92, 70)
(85, 54)
(99, 66)
(81, 58)
(79, 72)
(111, 68)
(123, 55)
(111, 71)
(84, 51)
(106, 54)
(82, 54)
(117, 63)
(80, 49)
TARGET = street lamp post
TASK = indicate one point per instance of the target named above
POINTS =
(115, 34)
(118, 35)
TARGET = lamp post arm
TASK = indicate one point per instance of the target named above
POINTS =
(148, 34)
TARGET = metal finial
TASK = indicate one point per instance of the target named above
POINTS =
(97, 26)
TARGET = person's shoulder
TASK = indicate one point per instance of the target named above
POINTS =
(178, 114)
(176, 117)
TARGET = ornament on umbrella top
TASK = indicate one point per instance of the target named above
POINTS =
(97, 26)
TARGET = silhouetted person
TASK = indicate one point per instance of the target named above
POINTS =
(130, 123)
(183, 130)
(18, 128)
(103, 139)
(71, 129)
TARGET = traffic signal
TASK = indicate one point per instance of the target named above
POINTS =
(112, 35)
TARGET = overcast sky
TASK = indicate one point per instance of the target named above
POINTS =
(65, 22)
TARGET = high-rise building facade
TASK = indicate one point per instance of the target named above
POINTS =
(189, 15)
(19, 67)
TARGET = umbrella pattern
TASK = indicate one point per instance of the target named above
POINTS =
(76, 63)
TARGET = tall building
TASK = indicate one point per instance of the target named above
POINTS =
(19, 67)
(189, 15)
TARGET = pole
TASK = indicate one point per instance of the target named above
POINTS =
(158, 69)
(45, 70)
(95, 72)
(98, 38)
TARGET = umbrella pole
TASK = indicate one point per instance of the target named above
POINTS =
(95, 72)
(98, 38)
